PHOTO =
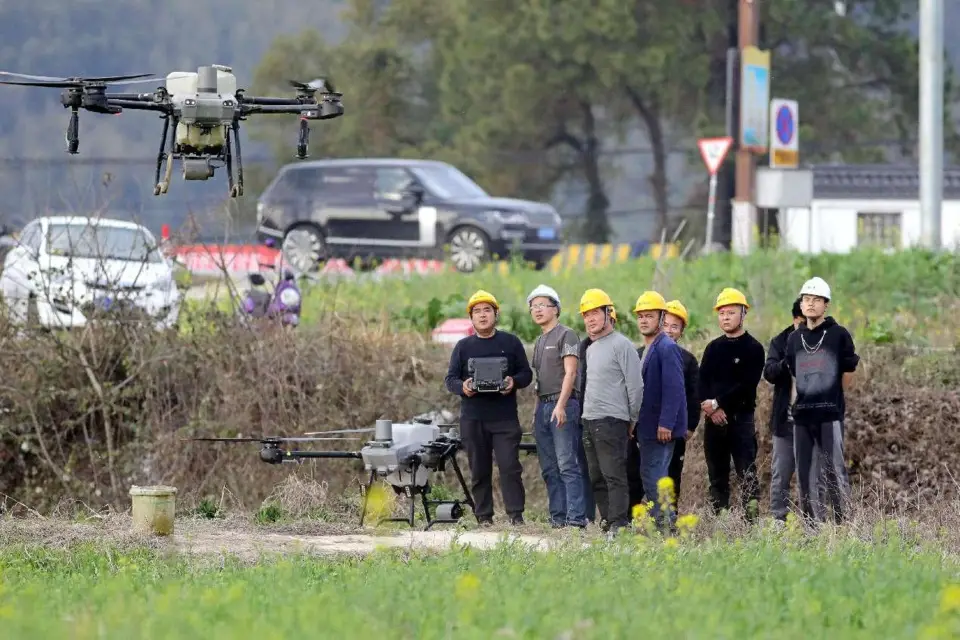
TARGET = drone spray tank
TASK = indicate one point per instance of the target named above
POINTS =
(206, 104)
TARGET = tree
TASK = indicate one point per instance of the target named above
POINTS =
(384, 113)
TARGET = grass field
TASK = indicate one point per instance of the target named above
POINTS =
(769, 584)
(901, 297)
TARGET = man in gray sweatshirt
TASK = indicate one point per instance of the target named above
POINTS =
(612, 393)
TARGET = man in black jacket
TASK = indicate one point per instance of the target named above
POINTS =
(730, 370)
(489, 421)
(822, 358)
(776, 372)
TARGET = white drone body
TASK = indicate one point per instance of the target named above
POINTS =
(391, 455)
(206, 100)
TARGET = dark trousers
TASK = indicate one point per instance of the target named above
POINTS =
(483, 440)
(819, 444)
(737, 440)
(676, 466)
(675, 470)
(634, 481)
(605, 442)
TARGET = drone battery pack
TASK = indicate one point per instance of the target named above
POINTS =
(488, 373)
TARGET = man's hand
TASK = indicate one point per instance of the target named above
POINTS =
(508, 385)
(664, 434)
(719, 417)
(707, 407)
(467, 391)
(559, 414)
(633, 428)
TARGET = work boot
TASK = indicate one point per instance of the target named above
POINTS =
(485, 522)
(516, 521)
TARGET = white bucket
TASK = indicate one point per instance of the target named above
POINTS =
(153, 509)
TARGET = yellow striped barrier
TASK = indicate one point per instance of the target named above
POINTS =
(593, 256)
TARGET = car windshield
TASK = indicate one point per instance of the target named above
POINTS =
(101, 242)
(448, 182)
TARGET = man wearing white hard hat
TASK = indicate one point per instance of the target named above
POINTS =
(822, 358)
(557, 418)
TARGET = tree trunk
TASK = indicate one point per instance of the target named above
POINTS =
(597, 227)
(650, 116)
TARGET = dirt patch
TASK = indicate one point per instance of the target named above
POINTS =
(239, 538)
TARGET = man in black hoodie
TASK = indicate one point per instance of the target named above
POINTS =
(776, 372)
(822, 358)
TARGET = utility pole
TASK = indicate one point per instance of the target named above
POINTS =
(931, 122)
(743, 218)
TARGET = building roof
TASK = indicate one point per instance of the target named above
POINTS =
(877, 182)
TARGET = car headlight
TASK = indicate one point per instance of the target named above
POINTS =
(289, 298)
(508, 217)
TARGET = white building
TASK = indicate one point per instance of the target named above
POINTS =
(861, 205)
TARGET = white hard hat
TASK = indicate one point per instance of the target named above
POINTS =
(816, 286)
(543, 291)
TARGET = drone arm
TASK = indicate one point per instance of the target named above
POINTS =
(255, 100)
(137, 105)
(274, 455)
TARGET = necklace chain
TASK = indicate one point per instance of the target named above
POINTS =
(816, 347)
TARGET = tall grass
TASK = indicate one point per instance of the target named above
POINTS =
(909, 296)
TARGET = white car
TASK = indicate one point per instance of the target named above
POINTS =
(66, 267)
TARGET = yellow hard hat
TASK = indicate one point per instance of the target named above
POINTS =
(613, 314)
(731, 296)
(650, 301)
(594, 299)
(481, 296)
(676, 308)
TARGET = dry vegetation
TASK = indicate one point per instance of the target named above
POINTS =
(90, 413)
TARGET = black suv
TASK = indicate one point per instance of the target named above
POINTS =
(396, 208)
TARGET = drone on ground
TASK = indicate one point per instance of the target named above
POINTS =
(402, 454)
(204, 106)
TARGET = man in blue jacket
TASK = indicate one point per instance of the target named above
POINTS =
(663, 411)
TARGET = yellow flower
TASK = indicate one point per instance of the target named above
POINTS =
(671, 543)
(950, 600)
(665, 490)
(639, 511)
(467, 585)
(687, 523)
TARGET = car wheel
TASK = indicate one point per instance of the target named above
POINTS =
(469, 249)
(303, 248)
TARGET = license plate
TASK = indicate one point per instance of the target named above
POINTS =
(546, 234)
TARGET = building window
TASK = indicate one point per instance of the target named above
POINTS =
(880, 230)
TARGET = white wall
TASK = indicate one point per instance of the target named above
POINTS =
(833, 224)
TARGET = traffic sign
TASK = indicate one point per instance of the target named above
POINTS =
(784, 134)
(713, 151)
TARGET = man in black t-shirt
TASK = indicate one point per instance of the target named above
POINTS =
(730, 371)
(822, 358)
(489, 422)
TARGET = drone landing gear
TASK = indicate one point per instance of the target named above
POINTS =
(236, 190)
(162, 187)
(446, 512)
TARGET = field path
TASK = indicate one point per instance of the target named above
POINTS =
(241, 538)
(247, 545)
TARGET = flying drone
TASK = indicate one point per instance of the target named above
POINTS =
(402, 454)
(205, 107)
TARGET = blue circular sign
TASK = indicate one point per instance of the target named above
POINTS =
(785, 125)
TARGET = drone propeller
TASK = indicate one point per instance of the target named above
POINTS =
(74, 82)
(270, 440)
(362, 430)
(320, 84)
